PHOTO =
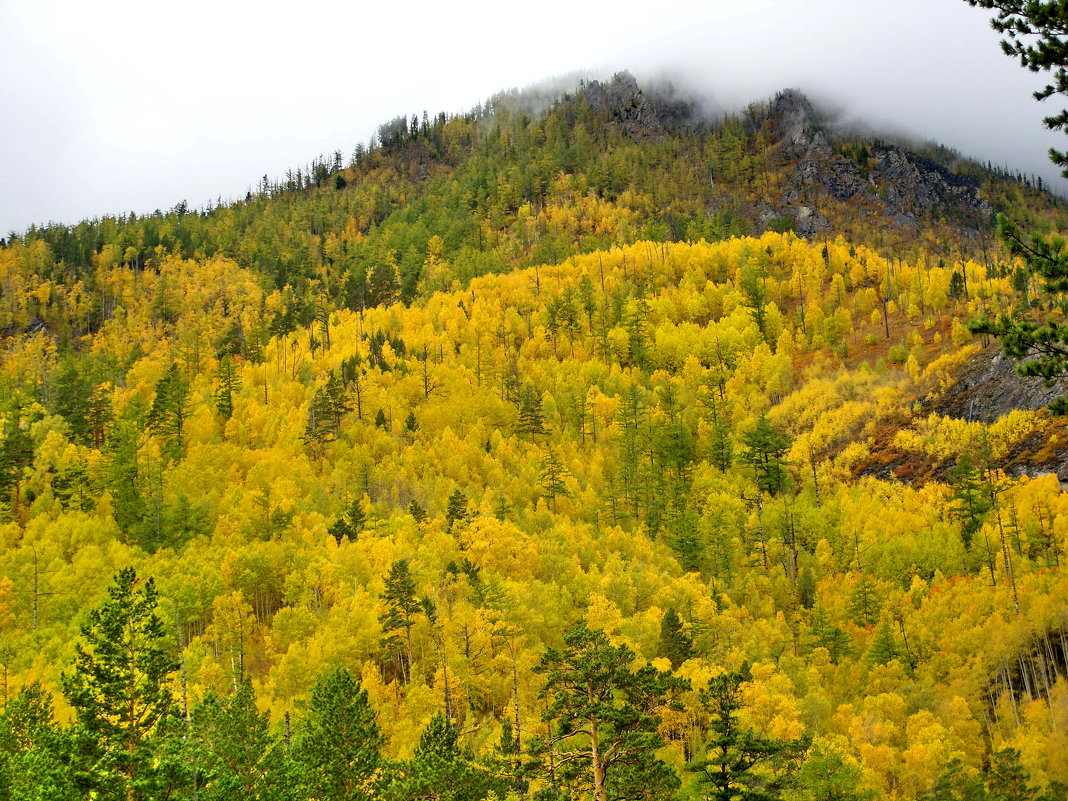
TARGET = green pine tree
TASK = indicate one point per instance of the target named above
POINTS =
(35, 752)
(739, 764)
(441, 769)
(883, 648)
(827, 635)
(337, 745)
(170, 410)
(806, 587)
(411, 425)
(335, 403)
(531, 422)
(1007, 779)
(402, 607)
(553, 473)
(340, 530)
(16, 454)
(233, 752)
(1035, 35)
(865, 602)
(765, 447)
(675, 645)
(72, 393)
(455, 509)
(970, 498)
(119, 690)
(229, 384)
(594, 694)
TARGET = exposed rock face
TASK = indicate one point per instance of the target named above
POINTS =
(887, 181)
(638, 115)
(626, 104)
(904, 186)
(990, 388)
(915, 185)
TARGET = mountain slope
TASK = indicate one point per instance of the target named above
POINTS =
(480, 358)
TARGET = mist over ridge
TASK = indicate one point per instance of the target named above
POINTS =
(196, 112)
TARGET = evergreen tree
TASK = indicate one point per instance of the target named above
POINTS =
(72, 393)
(402, 606)
(826, 776)
(352, 373)
(440, 769)
(119, 691)
(337, 744)
(35, 753)
(552, 476)
(319, 426)
(739, 764)
(765, 447)
(417, 511)
(99, 415)
(957, 286)
(531, 422)
(637, 327)
(349, 524)
(956, 784)
(687, 541)
(631, 414)
(229, 384)
(827, 635)
(604, 713)
(865, 603)
(721, 442)
(675, 645)
(232, 751)
(1035, 35)
(1007, 780)
(335, 403)
(756, 299)
(341, 530)
(123, 474)
(16, 454)
(170, 409)
(970, 498)
(883, 647)
(806, 588)
(411, 425)
(455, 509)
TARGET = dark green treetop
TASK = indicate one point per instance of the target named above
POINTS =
(119, 691)
(604, 713)
(336, 749)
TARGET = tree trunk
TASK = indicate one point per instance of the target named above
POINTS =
(600, 790)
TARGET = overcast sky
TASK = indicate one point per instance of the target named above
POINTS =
(118, 105)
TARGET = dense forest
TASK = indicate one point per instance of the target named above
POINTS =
(567, 448)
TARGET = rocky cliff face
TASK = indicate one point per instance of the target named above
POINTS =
(899, 185)
(886, 180)
(638, 115)
(989, 388)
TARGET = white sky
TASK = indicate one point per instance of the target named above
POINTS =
(118, 105)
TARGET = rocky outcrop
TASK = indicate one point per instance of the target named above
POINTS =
(902, 186)
(989, 388)
(625, 104)
(917, 186)
(887, 181)
(638, 115)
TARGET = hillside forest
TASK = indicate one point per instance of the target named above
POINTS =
(570, 448)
